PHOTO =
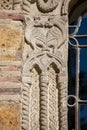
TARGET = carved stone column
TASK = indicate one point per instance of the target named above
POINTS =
(45, 59)
(44, 116)
(27, 81)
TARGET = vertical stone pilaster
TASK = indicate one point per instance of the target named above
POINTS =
(46, 48)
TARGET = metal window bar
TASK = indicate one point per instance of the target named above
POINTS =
(77, 47)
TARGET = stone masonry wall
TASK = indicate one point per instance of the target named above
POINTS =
(11, 46)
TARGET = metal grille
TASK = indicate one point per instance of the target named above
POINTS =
(74, 100)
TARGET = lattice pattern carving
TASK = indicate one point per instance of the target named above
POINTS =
(6, 4)
(11, 4)
(34, 102)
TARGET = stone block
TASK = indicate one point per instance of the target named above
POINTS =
(9, 116)
(11, 37)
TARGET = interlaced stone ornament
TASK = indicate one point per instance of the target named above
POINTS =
(6, 4)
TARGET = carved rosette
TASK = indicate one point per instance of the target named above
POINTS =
(44, 6)
(44, 62)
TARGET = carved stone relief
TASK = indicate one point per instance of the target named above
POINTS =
(44, 78)
(42, 90)
(6, 4)
(44, 6)
(10, 4)
(45, 33)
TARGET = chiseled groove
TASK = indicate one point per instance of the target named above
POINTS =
(17, 4)
(44, 102)
(26, 6)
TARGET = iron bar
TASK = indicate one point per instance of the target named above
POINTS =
(77, 89)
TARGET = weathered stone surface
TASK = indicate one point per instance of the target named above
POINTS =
(10, 40)
(9, 116)
(15, 15)
(6, 4)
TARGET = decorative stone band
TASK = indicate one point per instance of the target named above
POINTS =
(44, 118)
(11, 15)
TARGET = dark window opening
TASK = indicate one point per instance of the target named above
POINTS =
(77, 73)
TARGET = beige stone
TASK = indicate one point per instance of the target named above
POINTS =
(11, 38)
(9, 116)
